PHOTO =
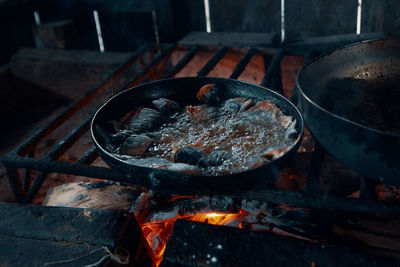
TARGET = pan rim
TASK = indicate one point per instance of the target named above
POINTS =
(331, 52)
(295, 145)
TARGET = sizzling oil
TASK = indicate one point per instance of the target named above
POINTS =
(245, 135)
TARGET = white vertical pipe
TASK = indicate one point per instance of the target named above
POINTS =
(157, 36)
(359, 8)
(37, 17)
(283, 37)
(98, 30)
(207, 11)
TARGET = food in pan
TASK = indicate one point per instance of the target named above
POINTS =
(214, 137)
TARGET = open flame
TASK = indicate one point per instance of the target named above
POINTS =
(158, 233)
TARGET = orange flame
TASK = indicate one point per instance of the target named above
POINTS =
(158, 233)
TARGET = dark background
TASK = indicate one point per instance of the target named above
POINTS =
(126, 25)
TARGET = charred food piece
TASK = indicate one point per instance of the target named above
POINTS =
(217, 157)
(166, 106)
(136, 145)
(239, 104)
(107, 138)
(120, 137)
(189, 155)
(233, 104)
(145, 119)
(209, 94)
(246, 104)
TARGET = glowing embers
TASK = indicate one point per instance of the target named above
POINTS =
(158, 233)
(157, 215)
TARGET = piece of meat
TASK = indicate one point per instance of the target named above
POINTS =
(185, 168)
(189, 155)
(217, 157)
(160, 163)
(145, 119)
(201, 113)
(267, 110)
(166, 106)
(266, 105)
(120, 137)
(136, 145)
(233, 104)
(209, 94)
(246, 104)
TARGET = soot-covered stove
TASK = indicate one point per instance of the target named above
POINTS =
(315, 212)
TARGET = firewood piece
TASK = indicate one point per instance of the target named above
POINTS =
(55, 228)
(110, 197)
(193, 243)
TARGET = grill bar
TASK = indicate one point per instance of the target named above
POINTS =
(182, 63)
(31, 143)
(71, 168)
(274, 70)
(15, 183)
(140, 76)
(28, 174)
(291, 198)
(316, 201)
(89, 157)
(55, 153)
(210, 65)
(68, 141)
(240, 67)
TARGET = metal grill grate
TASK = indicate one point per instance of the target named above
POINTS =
(26, 186)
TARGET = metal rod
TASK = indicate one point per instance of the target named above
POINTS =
(283, 30)
(274, 69)
(28, 173)
(207, 15)
(359, 10)
(311, 184)
(69, 140)
(316, 201)
(154, 62)
(182, 63)
(76, 105)
(98, 30)
(241, 66)
(309, 55)
(209, 66)
(89, 157)
(55, 153)
(155, 26)
(27, 179)
(37, 183)
(15, 182)
(36, 17)
(44, 165)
